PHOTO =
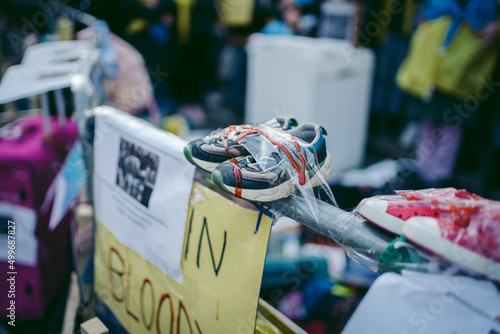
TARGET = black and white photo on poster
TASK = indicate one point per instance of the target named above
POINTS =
(137, 169)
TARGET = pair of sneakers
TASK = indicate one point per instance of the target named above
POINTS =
(461, 227)
(263, 162)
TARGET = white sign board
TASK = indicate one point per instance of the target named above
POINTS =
(142, 184)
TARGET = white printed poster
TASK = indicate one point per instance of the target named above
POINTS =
(142, 184)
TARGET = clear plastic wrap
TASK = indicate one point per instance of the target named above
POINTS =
(403, 255)
(285, 173)
(448, 230)
(294, 167)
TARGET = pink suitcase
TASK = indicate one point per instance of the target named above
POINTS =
(29, 162)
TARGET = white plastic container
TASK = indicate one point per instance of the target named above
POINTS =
(323, 81)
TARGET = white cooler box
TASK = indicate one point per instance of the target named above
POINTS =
(324, 81)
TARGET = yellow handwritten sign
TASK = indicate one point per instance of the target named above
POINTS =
(223, 259)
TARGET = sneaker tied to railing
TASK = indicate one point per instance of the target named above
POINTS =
(461, 227)
(264, 162)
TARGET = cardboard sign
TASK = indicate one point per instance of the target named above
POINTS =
(222, 262)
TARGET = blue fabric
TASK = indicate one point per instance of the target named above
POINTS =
(108, 58)
(277, 27)
(159, 33)
(477, 13)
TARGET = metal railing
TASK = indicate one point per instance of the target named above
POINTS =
(362, 240)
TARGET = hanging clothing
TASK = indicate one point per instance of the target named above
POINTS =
(446, 51)
(476, 13)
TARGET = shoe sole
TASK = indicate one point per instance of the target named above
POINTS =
(205, 165)
(375, 211)
(425, 233)
(280, 191)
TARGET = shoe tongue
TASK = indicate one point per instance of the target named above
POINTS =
(275, 122)
(281, 122)
(287, 123)
(305, 133)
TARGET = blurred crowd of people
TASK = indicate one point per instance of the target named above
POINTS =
(435, 95)
(435, 85)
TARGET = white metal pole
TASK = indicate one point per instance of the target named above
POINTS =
(60, 107)
(44, 98)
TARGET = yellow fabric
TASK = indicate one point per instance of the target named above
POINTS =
(139, 24)
(387, 5)
(408, 16)
(65, 29)
(236, 13)
(459, 72)
(176, 124)
(183, 19)
(341, 291)
(136, 25)
(222, 264)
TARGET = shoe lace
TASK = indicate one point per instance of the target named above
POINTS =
(288, 145)
(263, 162)
(233, 133)
(252, 163)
